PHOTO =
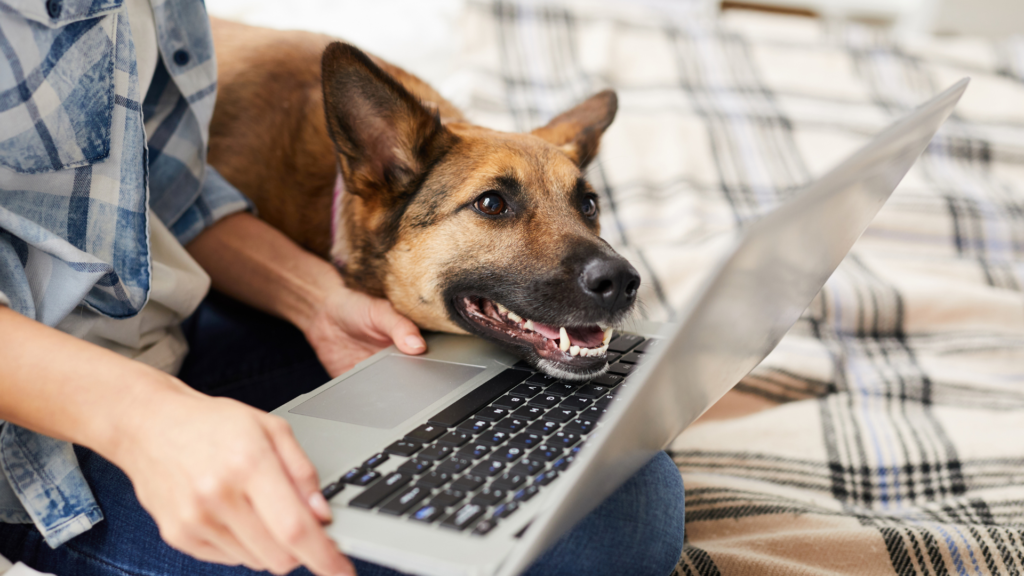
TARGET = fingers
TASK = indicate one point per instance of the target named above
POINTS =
(292, 524)
(401, 330)
(298, 467)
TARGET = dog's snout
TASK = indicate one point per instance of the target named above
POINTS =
(611, 282)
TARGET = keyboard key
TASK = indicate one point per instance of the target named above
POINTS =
(621, 369)
(489, 497)
(529, 412)
(352, 475)
(523, 365)
(564, 439)
(545, 400)
(474, 451)
(624, 343)
(648, 345)
(545, 478)
(474, 426)
(544, 427)
(488, 468)
(448, 498)
(505, 510)
(546, 452)
(509, 454)
(581, 425)
(468, 483)
(607, 380)
(510, 402)
(527, 390)
(415, 466)
(560, 414)
(594, 413)
(528, 466)
(527, 439)
(455, 464)
(365, 478)
(404, 500)
(427, 513)
(434, 479)
(485, 526)
(576, 402)
(332, 489)
(403, 448)
(455, 438)
(526, 493)
(633, 357)
(492, 413)
(494, 437)
(542, 379)
(381, 490)
(612, 357)
(560, 388)
(479, 397)
(463, 517)
(375, 460)
(509, 481)
(512, 424)
(563, 463)
(603, 403)
(592, 391)
(426, 433)
(436, 452)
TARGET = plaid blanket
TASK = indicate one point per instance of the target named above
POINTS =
(885, 434)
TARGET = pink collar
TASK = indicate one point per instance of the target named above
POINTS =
(338, 255)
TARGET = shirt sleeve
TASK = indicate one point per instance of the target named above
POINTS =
(217, 199)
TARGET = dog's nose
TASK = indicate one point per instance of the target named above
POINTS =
(611, 282)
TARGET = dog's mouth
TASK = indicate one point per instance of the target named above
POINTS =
(570, 352)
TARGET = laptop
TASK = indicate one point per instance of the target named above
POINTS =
(465, 461)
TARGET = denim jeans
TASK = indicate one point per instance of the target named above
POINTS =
(247, 355)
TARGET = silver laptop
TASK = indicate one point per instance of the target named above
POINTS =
(464, 461)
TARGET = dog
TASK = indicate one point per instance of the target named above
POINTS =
(464, 229)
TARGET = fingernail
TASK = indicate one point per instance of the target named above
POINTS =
(319, 505)
(414, 342)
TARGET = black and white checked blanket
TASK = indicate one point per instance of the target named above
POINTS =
(886, 433)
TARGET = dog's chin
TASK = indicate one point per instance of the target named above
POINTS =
(581, 356)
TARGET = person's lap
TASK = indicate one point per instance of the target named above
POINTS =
(241, 353)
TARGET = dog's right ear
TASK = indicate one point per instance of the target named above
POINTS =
(385, 137)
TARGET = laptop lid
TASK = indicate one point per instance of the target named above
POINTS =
(762, 285)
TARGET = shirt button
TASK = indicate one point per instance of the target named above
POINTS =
(53, 8)
(181, 57)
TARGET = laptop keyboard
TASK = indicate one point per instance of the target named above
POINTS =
(475, 462)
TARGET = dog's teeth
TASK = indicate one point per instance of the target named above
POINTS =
(514, 317)
(528, 325)
(574, 350)
(563, 339)
(501, 307)
(588, 352)
(607, 337)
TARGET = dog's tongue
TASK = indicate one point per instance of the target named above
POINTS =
(587, 337)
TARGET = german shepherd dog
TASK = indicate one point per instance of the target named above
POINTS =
(464, 229)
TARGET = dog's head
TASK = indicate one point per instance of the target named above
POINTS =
(466, 229)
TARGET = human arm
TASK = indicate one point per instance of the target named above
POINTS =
(257, 264)
(226, 483)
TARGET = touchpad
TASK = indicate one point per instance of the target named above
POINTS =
(388, 392)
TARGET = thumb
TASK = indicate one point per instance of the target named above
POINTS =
(402, 331)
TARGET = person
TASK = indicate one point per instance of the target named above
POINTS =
(112, 230)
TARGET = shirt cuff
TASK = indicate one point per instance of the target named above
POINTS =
(217, 199)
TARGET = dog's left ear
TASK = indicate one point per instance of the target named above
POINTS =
(578, 131)
(385, 136)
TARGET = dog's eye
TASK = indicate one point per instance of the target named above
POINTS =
(491, 204)
(589, 207)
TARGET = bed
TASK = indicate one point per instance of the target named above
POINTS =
(885, 434)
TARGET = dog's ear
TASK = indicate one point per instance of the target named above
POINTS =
(578, 131)
(385, 136)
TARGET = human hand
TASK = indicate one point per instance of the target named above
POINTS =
(350, 326)
(229, 484)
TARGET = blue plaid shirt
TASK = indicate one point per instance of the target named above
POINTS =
(74, 166)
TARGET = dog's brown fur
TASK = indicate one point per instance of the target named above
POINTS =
(412, 166)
